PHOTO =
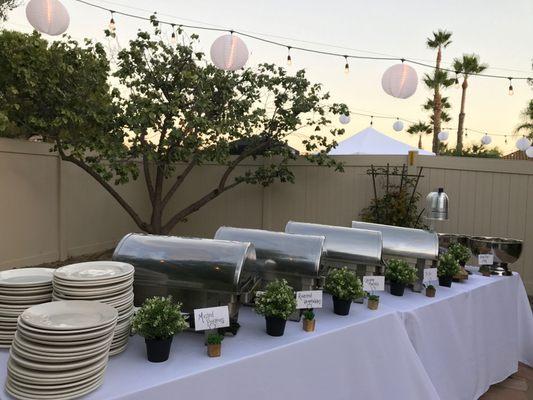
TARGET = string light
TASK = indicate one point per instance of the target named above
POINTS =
(346, 66)
(289, 59)
(371, 120)
(456, 82)
(112, 25)
(511, 90)
(173, 36)
(505, 139)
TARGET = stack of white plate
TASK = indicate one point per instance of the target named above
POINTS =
(60, 350)
(20, 289)
(109, 282)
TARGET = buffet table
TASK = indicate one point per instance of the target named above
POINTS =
(471, 335)
(453, 346)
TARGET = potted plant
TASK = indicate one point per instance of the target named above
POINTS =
(214, 344)
(345, 287)
(309, 320)
(276, 304)
(447, 269)
(461, 254)
(158, 320)
(373, 301)
(430, 291)
(399, 273)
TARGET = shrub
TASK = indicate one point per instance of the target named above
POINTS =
(310, 315)
(159, 318)
(448, 265)
(374, 297)
(214, 338)
(459, 252)
(277, 300)
(344, 284)
(400, 271)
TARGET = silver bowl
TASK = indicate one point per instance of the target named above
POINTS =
(505, 251)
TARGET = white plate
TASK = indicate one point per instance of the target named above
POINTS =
(56, 367)
(55, 359)
(94, 270)
(54, 339)
(108, 290)
(19, 383)
(53, 395)
(57, 351)
(52, 334)
(26, 277)
(54, 377)
(67, 315)
(93, 283)
(25, 291)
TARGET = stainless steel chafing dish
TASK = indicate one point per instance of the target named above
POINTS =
(417, 246)
(295, 258)
(358, 249)
(197, 272)
(505, 251)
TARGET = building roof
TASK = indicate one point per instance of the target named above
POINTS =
(517, 155)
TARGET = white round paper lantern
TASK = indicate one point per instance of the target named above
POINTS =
(398, 126)
(400, 81)
(48, 16)
(529, 152)
(443, 136)
(229, 52)
(486, 140)
(523, 143)
(344, 119)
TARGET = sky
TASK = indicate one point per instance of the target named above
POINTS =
(501, 33)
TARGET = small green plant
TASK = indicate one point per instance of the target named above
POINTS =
(373, 297)
(309, 315)
(448, 266)
(344, 284)
(430, 287)
(459, 252)
(159, 318)
(277, 300)
(400, 271)
(214, 338)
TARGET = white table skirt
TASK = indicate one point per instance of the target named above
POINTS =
(471, 335)
(366, 355)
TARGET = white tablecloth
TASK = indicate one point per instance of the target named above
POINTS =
(366, 355)
(471, 335)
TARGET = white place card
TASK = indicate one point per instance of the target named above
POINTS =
(485, 259)
(373, 283)
(430, 275)
(211, 318)
(309, 299)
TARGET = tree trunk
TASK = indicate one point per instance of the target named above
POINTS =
(460, 126)
(420, 141)
(437, 108)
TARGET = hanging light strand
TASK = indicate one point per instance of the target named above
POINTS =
(112, 26)
(289, 58)
(346, 65)
(299, 48)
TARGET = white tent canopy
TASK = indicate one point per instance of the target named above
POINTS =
(370, 141)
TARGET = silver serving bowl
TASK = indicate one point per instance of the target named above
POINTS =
(446, 239)
(505, 251)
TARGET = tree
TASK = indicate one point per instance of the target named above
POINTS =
(420, 128)
(173, 113)
(526, 127)
(6, 6)
(441, 39)
(468, 65)
(478, 151)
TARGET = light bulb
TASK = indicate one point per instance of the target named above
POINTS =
(346, 68)
(173, 38)
(289, 60)
(511, 91)
(112, 25)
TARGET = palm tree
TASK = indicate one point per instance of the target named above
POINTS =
(419, 128)
(441, 39)
(468, 65)
(527, 126)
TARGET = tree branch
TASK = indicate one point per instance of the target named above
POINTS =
(178, 182)
(146, 170)
(144, 226)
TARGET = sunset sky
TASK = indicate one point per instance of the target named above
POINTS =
(501, 33)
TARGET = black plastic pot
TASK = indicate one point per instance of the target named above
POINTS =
(341, 307)
(275, 326)
(397, 288)
(445, 281)
(462, 264)
(158, 350)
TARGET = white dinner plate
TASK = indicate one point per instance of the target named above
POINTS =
(26, 277)
(57, 351)
(93, 283)
(58, 339)
(53, 395)
(26, 291)
(41, 298)
(94, 270)
(53, 333)
(53, 358)
(19, 383)
(67, 315)
(109, 290)
(56, 367)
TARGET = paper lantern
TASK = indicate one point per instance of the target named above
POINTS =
(486, 139)
(344, 119)
(400, 81)
(523, 143)
(398, 126)
(529, 152)
(229, 52)
(48, 16)
(443, 136)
